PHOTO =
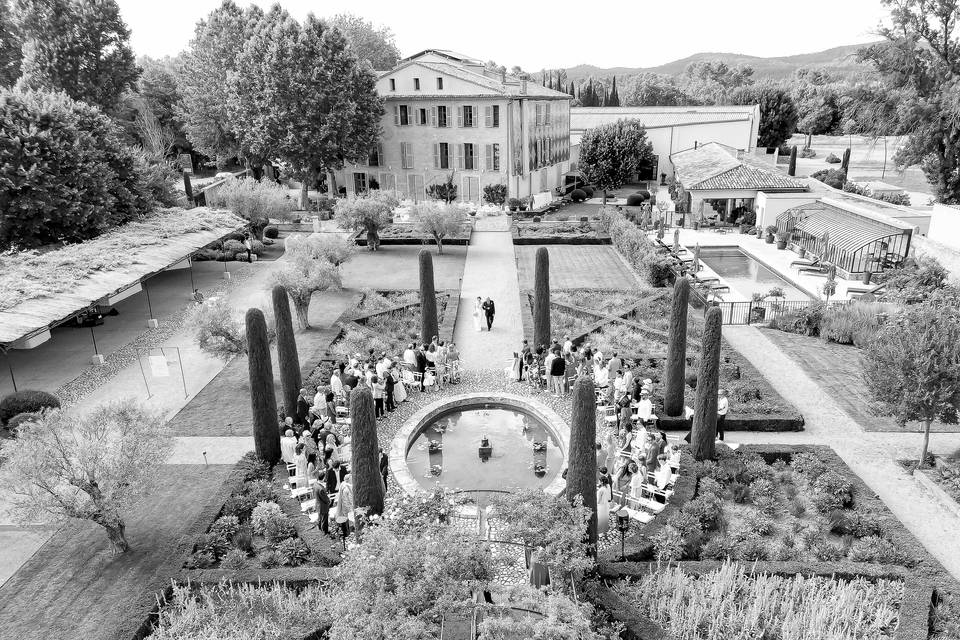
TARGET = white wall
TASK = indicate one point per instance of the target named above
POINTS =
(945, 226)
(770, 205)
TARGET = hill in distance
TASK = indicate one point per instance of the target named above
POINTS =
(839, 61)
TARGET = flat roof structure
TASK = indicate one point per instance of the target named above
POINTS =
(583, 118)
(40, 290)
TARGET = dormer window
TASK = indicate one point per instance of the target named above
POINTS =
(416, 84)
(393, 84)
(440, 84)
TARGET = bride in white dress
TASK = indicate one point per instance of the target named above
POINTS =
(477, 313)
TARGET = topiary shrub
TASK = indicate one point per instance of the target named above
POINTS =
(588, 191)
(271, 232)
(14, 423)
(234, 246)
(26, 401)
(292, 552)
(264, 513)
(832, 158)
(635, 200)
(808, 153)
(225, 526)
(578, 195)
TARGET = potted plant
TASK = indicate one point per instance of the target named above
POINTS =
(771, 229)
(781, 241)
(696, 225)
(801, 251)
(523, 205)
(757, 314)
(513, 203)
(759, 232)
(745, 228)
(866, 276)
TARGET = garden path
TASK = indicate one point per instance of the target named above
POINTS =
(490, 270)
(871, 455)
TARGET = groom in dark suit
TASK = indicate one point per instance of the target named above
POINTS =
(489, 309)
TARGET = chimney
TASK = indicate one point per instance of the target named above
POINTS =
(503, 76)
(523, 86)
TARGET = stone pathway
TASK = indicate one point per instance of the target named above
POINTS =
(871, 455)
(490, 270)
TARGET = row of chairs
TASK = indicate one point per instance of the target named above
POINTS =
(301, 491)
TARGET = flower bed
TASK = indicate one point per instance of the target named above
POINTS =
(730, 602)
(243, 612)
(252, 529)
(384, 321)
(557, 232)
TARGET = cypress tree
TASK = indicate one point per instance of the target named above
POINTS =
(614, 99)
(792, 169)
(287, 359)
(364, 461)
(263, 399)
(428, 299)
(541, 299)
(677, 349)
(582, 464)
(845, 164)
(708, 381)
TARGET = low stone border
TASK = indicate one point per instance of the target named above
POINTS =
(290, 576)
(409, 432)
(928, 484)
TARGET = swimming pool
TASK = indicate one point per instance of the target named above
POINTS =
(745, 274)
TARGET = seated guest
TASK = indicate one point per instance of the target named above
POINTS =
(288, 447)
(664, 474)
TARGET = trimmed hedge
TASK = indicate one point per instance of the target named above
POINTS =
(26, 401)
(578, 195)
(271, 232)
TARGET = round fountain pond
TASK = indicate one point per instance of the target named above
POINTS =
(476, 442)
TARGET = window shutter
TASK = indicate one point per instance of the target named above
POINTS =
(476, 115)
(433, 116)
(436, 155)
(488, 159)
(487, 116)
(475, 150)
(459, 116)
(396, 115)
(546, 117)
(460, 155)
(403, 155)
(409, 156)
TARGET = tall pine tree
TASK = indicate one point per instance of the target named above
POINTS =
(613, 100)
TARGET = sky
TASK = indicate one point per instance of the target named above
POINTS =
(535, 34)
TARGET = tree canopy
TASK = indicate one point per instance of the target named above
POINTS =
(778, 113)
(370, 43)
(912, 366)
(299, 94)
(10, 47)
(90, 58)
(653, 90)
(202, 78)
(610, 155)
(438, 220)
(920, 57)
(87, 467)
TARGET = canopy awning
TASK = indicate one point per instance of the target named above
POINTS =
(847, 233)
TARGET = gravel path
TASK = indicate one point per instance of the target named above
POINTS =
(490, 271)
(871, 455)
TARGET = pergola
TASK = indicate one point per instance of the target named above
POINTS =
(39, 291)
(856, 241)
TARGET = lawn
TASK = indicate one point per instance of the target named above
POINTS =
(74, 587)
(578, 267)
(397, 267)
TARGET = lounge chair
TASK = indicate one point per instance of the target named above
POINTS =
(806, 262)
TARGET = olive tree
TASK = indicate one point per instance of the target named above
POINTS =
(94, 466)
(912, 365)
(219, 329)
(309, 267)
(369, 213)
(438, 221)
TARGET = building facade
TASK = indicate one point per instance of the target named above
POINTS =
(447, 117)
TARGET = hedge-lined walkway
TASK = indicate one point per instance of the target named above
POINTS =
(75, 587)
(871, 455)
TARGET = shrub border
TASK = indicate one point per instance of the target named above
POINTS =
(359, 238)
(921, 582)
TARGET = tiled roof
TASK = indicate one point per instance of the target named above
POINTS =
(713, 166)
(457, 71)
(583, 118)
(509, 88)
